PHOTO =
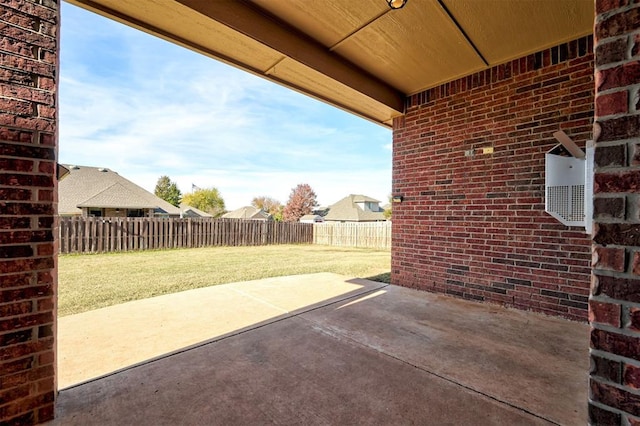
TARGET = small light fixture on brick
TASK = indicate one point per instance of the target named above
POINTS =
(397, 198)
(396, 4)
(62, 171)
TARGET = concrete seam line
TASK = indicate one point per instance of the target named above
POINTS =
(264, 302)
(334, 333)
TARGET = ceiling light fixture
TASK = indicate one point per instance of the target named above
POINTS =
(396, 4)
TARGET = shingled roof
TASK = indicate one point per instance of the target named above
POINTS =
(348, 210)
(188, 211)
(248, 213)
(103, 188)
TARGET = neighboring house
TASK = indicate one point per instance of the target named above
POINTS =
(248, 213)
(188, 211)
(355, 208)
(311, 218)
(320, 210)
(97, 191)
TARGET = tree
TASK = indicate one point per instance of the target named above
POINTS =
(389, 210)
(206, 199)
(278, 215)
(302, 200)
(168, 191)
(269, 205)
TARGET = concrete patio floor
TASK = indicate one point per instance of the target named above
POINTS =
(319, 349)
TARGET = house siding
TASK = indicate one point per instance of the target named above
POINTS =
(28, 151)
(472, 224)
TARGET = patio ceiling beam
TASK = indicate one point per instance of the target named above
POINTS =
(258, 25)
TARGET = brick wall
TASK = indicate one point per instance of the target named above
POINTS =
(28, 52)
(614, 308)
(472, 224)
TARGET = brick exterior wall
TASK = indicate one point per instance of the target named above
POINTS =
(28, 67)
(614, 306)
(472, 224)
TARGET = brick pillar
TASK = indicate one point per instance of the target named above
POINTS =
(614, 310)
(28, 149)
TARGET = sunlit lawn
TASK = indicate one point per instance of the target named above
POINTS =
(89, 282)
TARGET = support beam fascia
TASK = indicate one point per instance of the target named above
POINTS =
(280, 36)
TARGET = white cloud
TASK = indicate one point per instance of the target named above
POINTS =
(145, 108)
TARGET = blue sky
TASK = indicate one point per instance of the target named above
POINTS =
(145, 108)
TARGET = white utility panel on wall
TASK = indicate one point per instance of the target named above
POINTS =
(569, 184)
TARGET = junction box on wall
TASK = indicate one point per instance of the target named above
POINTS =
(569, 183)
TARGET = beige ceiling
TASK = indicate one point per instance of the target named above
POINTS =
(358, 55)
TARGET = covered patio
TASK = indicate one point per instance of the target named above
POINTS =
(474, 91)
(319, 349)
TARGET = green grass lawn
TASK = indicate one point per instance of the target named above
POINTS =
(92, 281)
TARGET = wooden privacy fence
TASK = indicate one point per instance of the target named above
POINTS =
(108, 234)
(365, 234)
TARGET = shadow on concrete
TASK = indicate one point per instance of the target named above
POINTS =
(375, 354)
(99, 342)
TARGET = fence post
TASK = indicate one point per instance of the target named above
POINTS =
(189, 230)
(64, 229)
(76, 234)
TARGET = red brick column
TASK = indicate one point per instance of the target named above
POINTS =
(28, 136)
(614, 307)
